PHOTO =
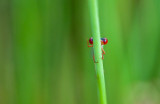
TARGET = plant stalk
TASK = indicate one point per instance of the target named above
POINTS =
(93, 6)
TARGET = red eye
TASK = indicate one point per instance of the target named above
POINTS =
(105, 41)
(91, 40)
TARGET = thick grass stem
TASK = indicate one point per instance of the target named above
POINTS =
(93, 6)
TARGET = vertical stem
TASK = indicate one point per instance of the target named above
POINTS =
(97, 50)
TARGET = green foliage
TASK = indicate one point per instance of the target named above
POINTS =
(44, 58)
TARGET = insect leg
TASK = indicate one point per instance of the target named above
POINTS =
(102, 56)
(103, 51)
(90, 45)
(94, 59)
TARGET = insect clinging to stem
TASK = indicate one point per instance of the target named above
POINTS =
(104, 41)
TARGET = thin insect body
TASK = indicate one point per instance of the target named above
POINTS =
(104, 41)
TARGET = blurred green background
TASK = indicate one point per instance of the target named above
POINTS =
(44, 58)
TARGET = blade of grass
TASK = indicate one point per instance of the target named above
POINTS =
(97, 50)
(27, 40)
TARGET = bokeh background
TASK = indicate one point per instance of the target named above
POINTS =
(44, 58)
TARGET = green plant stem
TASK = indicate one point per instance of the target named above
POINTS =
(97, 50)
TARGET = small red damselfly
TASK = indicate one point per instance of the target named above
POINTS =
(104, 41)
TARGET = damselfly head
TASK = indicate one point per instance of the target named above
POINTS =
(104, 41)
